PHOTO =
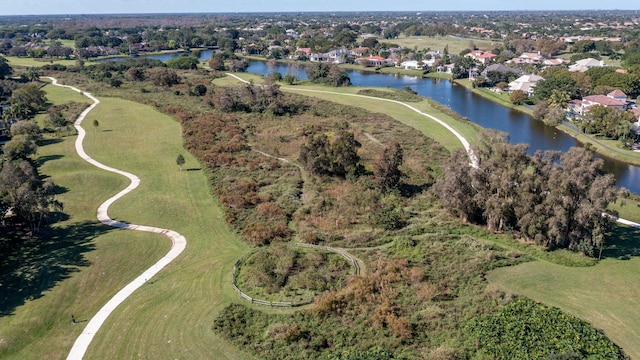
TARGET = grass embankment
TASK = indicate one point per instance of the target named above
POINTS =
(397, 111)
(500, 98)
(181, 302)
(609, 148)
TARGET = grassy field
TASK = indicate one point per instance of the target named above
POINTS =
(173, 314)
(455, 44)
(181, 302)
(28, 62)
(607, 294)
(608, 148)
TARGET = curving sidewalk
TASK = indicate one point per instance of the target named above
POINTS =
(178, 242)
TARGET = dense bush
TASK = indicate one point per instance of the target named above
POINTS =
(524, 329)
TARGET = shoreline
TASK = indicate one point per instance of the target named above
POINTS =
(631, 158)
(608, 151)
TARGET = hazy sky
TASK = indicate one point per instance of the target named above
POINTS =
(33, 7)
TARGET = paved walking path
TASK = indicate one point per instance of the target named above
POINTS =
(178, 242)
(472, 158)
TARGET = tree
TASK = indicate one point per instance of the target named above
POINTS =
(216, 63)
(32, 74)
(135, 74)
(96, 124)
(115, 82)
(198, 90)
(338, 76)
(386, 171)
(180, 161)
(557, 200)
(558, 99)
(609, 122)
(29, 99)
(161, 76)
(22, 189)
(344, 154)
(5, 68)
(518, 97)
(462, 67)
(183, 62)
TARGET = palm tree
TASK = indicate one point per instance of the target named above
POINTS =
(558, 99)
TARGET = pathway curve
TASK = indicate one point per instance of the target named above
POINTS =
(178, 242)
(472, 158)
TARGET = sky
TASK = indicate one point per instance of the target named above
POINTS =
(68, 7)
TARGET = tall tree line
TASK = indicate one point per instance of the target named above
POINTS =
(558, 200)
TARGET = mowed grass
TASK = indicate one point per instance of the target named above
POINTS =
(607, 295)
(29, 62)
(454, 44)
(82, 262)
(171, 317)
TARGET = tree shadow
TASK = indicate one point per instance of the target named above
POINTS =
(45, 142)
(43, 159)
(29, 267)
(622, 242)
(411, 190)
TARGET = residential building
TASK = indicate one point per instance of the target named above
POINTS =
(585, 64)
(525, 83)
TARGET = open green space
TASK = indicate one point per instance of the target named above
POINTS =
(173, 314)
(454, 44)
(182, 300)
(26, 61)
(96, 261)
(607, 294)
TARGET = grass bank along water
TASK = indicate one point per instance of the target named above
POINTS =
(484, 112)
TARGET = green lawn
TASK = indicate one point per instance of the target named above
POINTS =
(455, 44)
(607, 294)
(25, 61)
(172, 316)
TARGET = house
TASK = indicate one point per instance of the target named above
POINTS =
(501, 68)
(482, 56)
(303, 52)
(319, 57)
(411, 65)
(585, 64)
(447, 69)
(554, 62)
(581, 107)
(618, 95)
(374, 60)
(360, 51)
(529, 58)
(525, 83)
(338, 56)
